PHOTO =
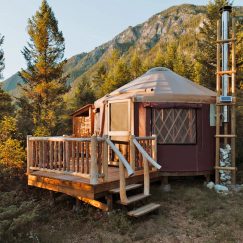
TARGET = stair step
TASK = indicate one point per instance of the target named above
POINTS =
(128, 188)
(134, 199)
(144, 210)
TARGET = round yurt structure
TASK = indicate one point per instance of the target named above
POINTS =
(180, 112)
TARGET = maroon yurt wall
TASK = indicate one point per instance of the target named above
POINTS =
(193, 158)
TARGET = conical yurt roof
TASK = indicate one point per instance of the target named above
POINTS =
(161, 85)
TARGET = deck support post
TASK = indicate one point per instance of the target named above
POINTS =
(109, 200)
(146, 176)
(132, 152)
(123, 195)
(93, 166)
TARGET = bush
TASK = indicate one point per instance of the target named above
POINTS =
(12, 154)
(12, 158)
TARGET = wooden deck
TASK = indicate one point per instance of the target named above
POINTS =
(79, 167)
(78, 186)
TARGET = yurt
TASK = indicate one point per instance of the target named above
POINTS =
(180, 112)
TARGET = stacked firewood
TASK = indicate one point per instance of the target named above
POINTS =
(225, 161)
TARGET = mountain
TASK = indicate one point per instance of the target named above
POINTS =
(178, 24)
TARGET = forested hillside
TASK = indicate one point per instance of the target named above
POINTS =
(168, 38)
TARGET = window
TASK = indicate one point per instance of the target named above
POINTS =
(174, 126)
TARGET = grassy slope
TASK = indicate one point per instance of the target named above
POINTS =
(189, 213)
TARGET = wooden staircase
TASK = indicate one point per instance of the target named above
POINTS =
(149, 164)
(134, 199)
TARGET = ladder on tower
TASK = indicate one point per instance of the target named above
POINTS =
(225, 130)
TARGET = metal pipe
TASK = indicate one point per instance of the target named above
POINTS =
(225, 55)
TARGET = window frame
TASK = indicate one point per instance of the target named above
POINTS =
(120, 133)
(175, 108)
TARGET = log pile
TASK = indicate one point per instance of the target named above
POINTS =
(225, 161)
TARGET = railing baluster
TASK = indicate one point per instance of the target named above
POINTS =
(66, 164)
(40, 154)
(55, 154)
(87, 157)
(82, 157)
(51, 154)
(36, 154)
(77, 156)
(154, 148)
(73, 157)
(132, 153)
(61, 155)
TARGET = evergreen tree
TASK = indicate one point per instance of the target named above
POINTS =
(159, 60)
(118, 75)
(84, 94)
(6, 107)
(170, 55)
(98, 80)
(136, 67)
(24, 116)
(44, 81)
(1, 56)
(206, 55)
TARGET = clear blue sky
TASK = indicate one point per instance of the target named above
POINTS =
(85, 23)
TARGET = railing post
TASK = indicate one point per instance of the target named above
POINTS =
(29, 154)
(132, 152)
(123, 195)
(146, 176)
(105, 159)
(93, 166)
(154, 148)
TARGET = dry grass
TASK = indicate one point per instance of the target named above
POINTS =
(189, 213)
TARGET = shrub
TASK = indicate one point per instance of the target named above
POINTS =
(12, 157)
(12, 154)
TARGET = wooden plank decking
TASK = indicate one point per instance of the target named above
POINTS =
(78, 186)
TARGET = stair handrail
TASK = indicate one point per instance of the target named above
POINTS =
(122, 163)
(130, 171)
(146, 159)
(145, 154)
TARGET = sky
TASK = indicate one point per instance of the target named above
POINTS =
(85, 24)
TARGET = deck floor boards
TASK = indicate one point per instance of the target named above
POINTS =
(78, 185)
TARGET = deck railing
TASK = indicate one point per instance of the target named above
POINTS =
(88, 157)
(76, 156)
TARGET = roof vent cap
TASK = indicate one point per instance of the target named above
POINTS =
(157, 69)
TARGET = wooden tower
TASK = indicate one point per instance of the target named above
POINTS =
(226, 93)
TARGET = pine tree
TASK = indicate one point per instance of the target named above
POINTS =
(98, 80)
(170, 55)
(136, 67)
(84, 94)
(118, 75)
(1, 56)
(206, 55)
(44, 81)
(6, 107)
(159, 60)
